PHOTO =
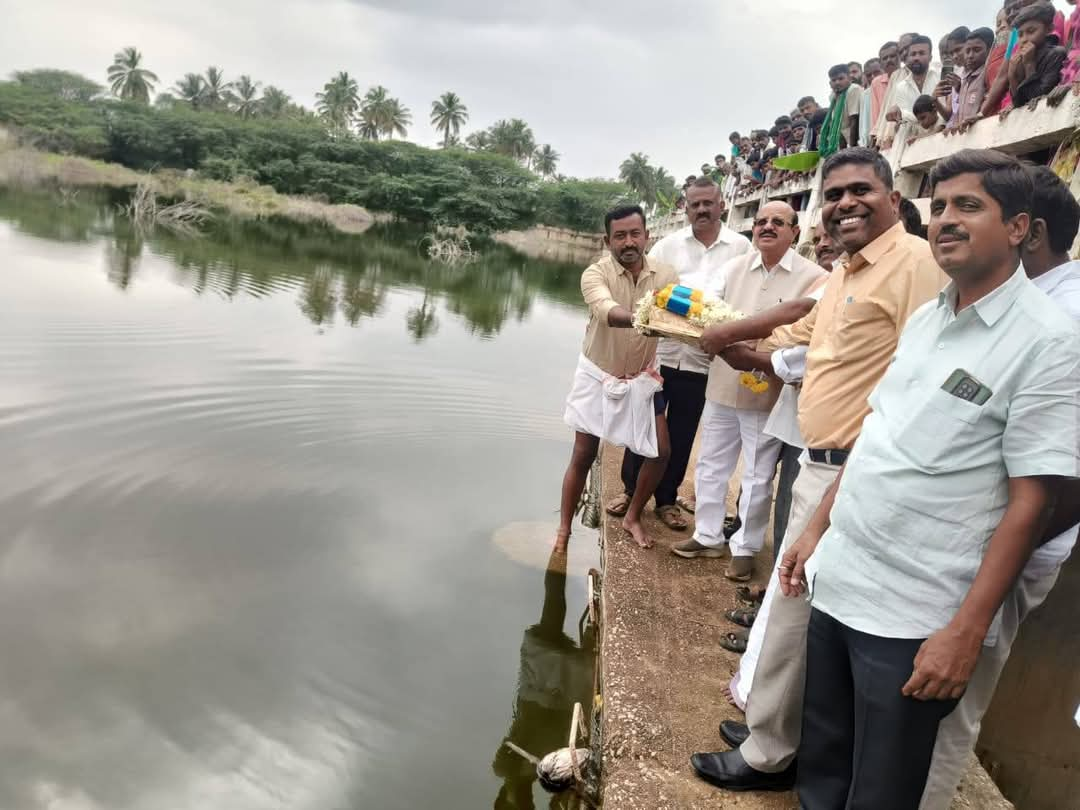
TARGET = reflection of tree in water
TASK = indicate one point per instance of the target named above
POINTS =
(122, 253)
(555, 672)
(421, 320)
(362, 295)
(317, 298)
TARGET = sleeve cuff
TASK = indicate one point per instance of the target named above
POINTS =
(1059, 464)
(603, 308)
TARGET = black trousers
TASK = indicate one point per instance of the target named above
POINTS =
(864, 745)
(685, 395)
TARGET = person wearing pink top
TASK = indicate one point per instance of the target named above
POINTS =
(890, 61)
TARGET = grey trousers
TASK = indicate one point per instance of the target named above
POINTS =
(774, 708)
(959, 731)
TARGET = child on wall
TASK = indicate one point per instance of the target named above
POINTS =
(1036, 63)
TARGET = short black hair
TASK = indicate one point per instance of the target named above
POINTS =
(839, 70)
(719, 157)
(774, 132)
(855, 64)
(1052, 202)
(1003, 177)
(959, 34)
(704, 182)
(985, 34)
(783, 121)
(806, 100)
(1036, 12)
(734, 135)
(622, 212)
(889, 44)
(860, 156)
(923, 104)
(873, 60)
(910, 216)
(798, 122)
(919, 39)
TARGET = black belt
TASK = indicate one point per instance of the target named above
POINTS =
(834, 457)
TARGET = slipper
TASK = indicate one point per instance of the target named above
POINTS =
(734, 641)
(689, 504)
(742, 616)
(618, 505)
(750, 596)
(671, 517)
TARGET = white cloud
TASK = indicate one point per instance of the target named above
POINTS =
(596, 80)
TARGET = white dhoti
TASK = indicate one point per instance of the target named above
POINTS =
(615, 409)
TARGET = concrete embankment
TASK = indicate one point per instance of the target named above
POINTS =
(555, 244)
(663, 669)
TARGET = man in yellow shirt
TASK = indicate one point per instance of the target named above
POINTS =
(614, 353)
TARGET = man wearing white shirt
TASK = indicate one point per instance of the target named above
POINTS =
(697, 252)
(734, 417)
(920, 79)
(1055, 218)
(917, 545)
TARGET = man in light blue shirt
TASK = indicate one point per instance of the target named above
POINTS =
(941, 503)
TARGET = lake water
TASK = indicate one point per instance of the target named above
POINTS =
(258, 493)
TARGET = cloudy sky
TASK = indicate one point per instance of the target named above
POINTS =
(596, 80)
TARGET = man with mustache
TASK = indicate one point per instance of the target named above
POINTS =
(919, 80)
(734, 417)
(852, 332)
(946, 494)
(614, 352)
(697, 252)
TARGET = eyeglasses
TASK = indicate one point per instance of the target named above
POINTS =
(776, 222)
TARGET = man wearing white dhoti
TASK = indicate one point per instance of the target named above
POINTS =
(616, 375)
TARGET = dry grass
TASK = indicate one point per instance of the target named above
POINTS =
(186, 217)
(23, 167)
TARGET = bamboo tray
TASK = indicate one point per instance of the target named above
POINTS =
(669, 325)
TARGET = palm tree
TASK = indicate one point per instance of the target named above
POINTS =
(447, 116)
(338, 102)
(397, 119)
(513, 138)
(367, 125)
(128, 80)
(246, 103)
(218, 92)
(479, 141)
(421, 321)
(636, 173)
(192, 89)
(274, 102)
(373, 112)
(545, 160)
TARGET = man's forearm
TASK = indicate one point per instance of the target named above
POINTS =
(760, 326)
(1066, 513)
(1030, 503)
(620, 318)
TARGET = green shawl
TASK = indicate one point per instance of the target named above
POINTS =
(829, 140)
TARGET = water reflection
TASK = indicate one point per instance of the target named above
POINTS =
(554, 673)
(333, 274)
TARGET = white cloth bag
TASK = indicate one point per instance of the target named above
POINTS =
(620, 411)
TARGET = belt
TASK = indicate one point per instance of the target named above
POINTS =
(834, 457)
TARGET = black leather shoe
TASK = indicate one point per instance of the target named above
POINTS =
(729, 770)
(734, 733)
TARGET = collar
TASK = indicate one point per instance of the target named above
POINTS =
(995, 303)
(785, 262)
(967, 77)
(726, 235)
(646, 266)
(872, 253)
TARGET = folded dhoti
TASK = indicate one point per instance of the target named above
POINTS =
(617, 409)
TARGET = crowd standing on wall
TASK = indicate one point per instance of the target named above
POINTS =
(922, 407)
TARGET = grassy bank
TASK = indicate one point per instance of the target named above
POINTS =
(23, 167)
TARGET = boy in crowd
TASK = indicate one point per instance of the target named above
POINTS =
(841, 127)
(1036, 62)
(973, 86)
(953, 68)
(927, 119)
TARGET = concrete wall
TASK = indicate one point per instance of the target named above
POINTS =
(555, 244)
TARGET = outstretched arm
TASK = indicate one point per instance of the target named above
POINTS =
(757, 327)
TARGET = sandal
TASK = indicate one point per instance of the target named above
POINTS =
(618, 505)
(734, 641)
(750, 596)
(671, 516)
(689, 504)
(743, 617)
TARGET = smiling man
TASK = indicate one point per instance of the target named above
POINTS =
(852, 334)
(945, 496)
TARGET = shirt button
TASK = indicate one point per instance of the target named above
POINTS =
(941, 345)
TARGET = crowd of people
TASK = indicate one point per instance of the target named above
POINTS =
(905, 92)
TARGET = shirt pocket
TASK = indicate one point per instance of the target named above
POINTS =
(936, 428)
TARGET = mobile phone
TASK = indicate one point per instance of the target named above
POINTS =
(946, 71)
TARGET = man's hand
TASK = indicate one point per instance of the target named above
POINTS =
(792, 567)
(944, 664)
(946, 86)
(893, 114)
(744, 357)
(1057, 95)
(716, 338)
(968, 123)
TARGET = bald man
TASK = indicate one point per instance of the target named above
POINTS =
(735, 416)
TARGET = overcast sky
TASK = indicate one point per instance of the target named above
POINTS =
(597, 80)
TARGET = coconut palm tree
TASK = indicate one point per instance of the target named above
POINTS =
(513, 138)
(447, 116)
(367, 125)
(545, 160)
(128, 80)
(339, 102)
(397, 119)
(479, 141)
(636, 173)
(218, 93)
(246, 105)
(274, 102)
(191, 89)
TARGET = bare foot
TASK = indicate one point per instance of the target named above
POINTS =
(725, 690)
(562, 540)
(637, 531)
